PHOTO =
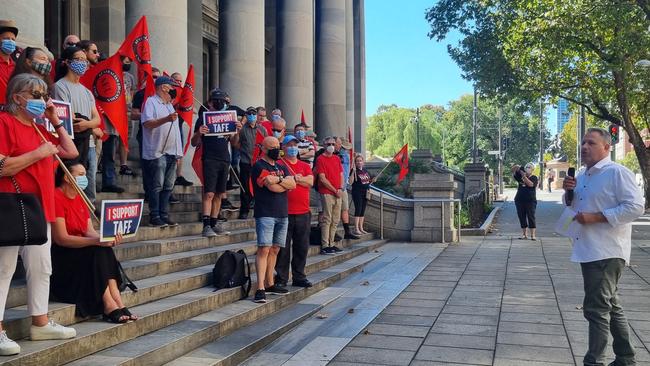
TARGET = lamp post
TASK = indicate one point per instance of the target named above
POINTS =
(500, 156)
(541, 144)
(474, 123)
(416, 120)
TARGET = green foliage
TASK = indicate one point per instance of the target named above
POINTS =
(568, 140)
(631, 162)
(387, 180)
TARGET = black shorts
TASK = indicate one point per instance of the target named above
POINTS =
(215, 176)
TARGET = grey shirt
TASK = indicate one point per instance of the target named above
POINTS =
(164, 139)
(81, 99)
(247, 136)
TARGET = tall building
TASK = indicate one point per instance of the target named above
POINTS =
(298, 55)
(563, 114)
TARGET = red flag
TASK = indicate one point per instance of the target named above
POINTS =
(257, 150)
(197, 162)
(352, 149)
(302, 117)
(149, 89)
(185, 106)
(402, 159)
(105, 81)
(136, 47)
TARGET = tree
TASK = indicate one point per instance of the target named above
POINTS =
(568, 139)
(584, 51)
(631, 162)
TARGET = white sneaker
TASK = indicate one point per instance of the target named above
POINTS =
(7, 346)
(51, 331)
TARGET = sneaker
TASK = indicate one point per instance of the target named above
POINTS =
(352, 236)
(51, 330)
(7, 346)
(125, 170)
(208, 232)
(219, 230)
(327, 251)
(181, 181)
(277, 289)
(113, 189)
(157, 222)
(302, 283)
(336, 249)
(260, 297)
(169, 222)
(227, 205)
(173, 199)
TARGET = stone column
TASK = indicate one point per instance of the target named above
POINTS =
(29, 16)
(107, 24)
(476, 179)
(359, 76)
(350, 121)
(195, 45)
(167, 21)
(241, 51)
(432, 219)
(330, 68)
(214, 66)
(296, 60)
(270, 55)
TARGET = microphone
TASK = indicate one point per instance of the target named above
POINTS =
(569, 193)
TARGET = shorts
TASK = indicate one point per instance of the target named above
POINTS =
(215, 176)
(271, 231)
(345, 201)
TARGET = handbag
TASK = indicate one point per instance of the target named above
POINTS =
(22, 217)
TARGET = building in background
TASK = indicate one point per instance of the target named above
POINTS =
(563, 114)
(298, 55)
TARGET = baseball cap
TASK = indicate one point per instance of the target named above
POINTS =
(288, 138)
(161, 80)
(217, 94)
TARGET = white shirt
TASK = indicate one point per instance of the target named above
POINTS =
(611, 189)
(164, 139)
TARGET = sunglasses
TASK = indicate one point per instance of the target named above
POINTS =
(253, 113)
(70, 44)
(39, 95)
(330, 144)
(274, 130)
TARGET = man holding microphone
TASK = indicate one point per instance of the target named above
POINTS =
(606, 200)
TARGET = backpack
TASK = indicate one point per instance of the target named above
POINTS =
(230, 271)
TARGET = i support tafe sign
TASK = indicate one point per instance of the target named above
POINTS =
(120, 216)
(220, 123)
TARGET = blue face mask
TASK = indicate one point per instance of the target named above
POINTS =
(78, 67)
(82, 181)
(275, 117)
(277, 134)
(300, 134)
(251, 118)
(8, 46)
(292, 151)
(35, 107)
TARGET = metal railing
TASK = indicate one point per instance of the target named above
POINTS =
(383, 193)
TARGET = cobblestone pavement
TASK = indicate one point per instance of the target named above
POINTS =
(497, 300)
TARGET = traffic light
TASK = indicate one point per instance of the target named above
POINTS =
(504, 143)
(614, 131)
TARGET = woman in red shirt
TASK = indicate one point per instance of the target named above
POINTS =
(30, 161)
(85, 271)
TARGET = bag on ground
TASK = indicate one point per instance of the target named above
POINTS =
(231, 270)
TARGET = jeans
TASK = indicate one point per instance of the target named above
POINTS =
(331, 218)
(91, 190)
(295, 249)
(244, 194)
(602, 308)
(108, 161)
(271, 231)
(162, 174)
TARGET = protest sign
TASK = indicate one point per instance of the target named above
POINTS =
(220, 123)
(64, 112)
(120, 216)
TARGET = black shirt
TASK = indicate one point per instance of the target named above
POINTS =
(525, 193)
(267, 203)
(362, 180)
(137, 100)
(214, 147)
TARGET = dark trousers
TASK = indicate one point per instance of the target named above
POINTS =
(162, 173)
(244, 192)
(602, 308)
(108, 161)
(298, 243)
(360, 202)
(526, 213)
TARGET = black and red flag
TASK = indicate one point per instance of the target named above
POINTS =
(185, 105)
(136, 47)
(402, 159)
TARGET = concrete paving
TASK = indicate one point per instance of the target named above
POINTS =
(497, 300)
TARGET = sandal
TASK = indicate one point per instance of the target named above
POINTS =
(126, 312)
(115, 316)
(523, 238)
(533, 238)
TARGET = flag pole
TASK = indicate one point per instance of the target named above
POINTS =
(381, 171)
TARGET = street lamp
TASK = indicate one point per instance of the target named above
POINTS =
(416, 119)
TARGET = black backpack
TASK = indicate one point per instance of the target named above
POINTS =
(231, 270)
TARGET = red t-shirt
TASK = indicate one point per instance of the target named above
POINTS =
(6, 68)
(299, 197)
(17, 139)
(74, 211)
(332, 168)
(268, 126)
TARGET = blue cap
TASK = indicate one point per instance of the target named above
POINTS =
(288, 138)
(165, 80)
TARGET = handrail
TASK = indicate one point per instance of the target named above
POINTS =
(413, 200)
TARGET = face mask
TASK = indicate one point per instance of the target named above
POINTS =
(273, 154)
(126, 67)
(78, 67)
(82, 181)
(35, 107)
(172, 93)
(251, 118)
(219, 105)
(277, 134)
(330, 149)
(292, 151)
(529, 170)
(300, 135)
(275, 117)
(8, 46)
(43, 69)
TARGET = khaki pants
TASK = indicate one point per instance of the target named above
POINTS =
(331, 218)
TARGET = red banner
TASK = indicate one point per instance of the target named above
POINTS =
(105, 81)
(185, 106)
(197, 162)
(136, 47)
(402, 159)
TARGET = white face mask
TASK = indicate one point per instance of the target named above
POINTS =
(330, 149)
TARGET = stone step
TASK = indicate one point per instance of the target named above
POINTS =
(93, 336)
(168, 343)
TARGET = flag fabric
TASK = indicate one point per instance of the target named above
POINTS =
(106, 84)
(136, 47)
(402, 159)
(197, 162)
(257, 149)
(302, 117)
(185, 106)
(149, 89)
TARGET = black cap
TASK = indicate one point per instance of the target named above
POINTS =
(217, 94)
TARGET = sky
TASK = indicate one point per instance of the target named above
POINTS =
(405, 67)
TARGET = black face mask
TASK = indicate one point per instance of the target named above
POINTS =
(273, 154)
(172, 93)
(218, 104)
(126, 67)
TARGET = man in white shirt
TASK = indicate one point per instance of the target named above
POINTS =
(607, 201)
(161, 148)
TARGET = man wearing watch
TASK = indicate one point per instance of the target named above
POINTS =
(330, 182)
